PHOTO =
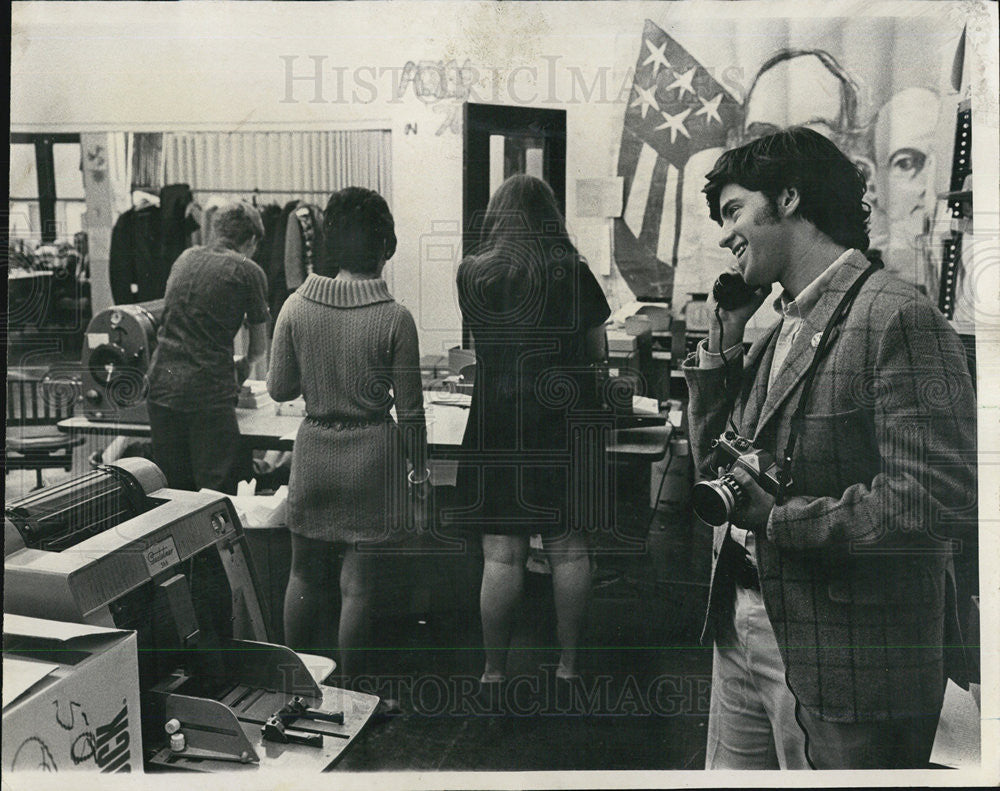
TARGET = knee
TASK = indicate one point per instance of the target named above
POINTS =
(357, 575)
(505, 550)
(569, 549)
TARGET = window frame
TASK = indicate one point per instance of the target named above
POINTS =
(46, 174)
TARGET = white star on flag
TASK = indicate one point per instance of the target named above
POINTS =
(656, 57)
(710, 108)
(684, 82)
(646, 98)
(675, 123)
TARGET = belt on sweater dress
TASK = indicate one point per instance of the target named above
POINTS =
(335, 423)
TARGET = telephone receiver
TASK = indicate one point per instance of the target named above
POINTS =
(731, 291)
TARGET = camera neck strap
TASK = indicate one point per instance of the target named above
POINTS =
(842, 309)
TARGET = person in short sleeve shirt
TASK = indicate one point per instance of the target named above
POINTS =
(194, 379)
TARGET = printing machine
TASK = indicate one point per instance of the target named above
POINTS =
(115, 548)
(117, 350)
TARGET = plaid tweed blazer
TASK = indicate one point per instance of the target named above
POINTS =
(855, 563)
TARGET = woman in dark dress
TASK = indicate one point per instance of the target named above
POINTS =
(536, 314)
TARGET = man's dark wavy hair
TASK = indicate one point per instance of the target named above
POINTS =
(358, 230)
(831, 188)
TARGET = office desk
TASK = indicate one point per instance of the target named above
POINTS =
(29, 297)
(262, 429)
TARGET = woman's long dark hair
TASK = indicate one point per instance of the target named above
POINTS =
(524, 208)
(523, 237)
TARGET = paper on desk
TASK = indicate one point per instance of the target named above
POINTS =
(49, 630)
(296, 408)
(445, 398)
(645, 406)
(20, 675)
(256, 511)
(958, 740)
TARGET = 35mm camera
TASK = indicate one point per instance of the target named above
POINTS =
(716, 501)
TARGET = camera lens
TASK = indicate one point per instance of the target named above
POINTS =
(714, 501)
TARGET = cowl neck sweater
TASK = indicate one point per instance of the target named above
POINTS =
(344, 293)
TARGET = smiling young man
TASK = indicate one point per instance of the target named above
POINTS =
(831, 604)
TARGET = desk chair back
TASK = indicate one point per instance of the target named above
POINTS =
(34, 406)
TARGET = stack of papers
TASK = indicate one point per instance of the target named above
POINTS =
(254, 395)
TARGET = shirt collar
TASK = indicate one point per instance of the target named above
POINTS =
(809, 296)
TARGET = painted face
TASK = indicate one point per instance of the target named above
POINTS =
(904, 139)
(752, 231)
(799, 91)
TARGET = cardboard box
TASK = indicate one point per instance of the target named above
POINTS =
(70, 697)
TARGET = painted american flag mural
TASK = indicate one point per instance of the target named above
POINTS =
(676, 109)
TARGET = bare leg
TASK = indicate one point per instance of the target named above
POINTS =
(503, 584)
(308, 611)
(570, 563)
(355, 633)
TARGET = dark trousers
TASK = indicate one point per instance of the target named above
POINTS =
(904, 743)
(199, 450)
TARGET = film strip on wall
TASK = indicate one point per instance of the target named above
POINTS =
(959, 197)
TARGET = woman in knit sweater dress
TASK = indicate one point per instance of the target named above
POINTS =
(343, 343)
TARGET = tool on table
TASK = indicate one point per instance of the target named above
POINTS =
(297, 708)
(274, 730)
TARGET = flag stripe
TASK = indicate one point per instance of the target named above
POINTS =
(635, 209)
(665, 246)
(679, 203)
(654, 204)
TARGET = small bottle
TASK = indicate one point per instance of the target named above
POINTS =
(177, 742)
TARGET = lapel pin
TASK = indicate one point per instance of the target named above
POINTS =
(814, 341)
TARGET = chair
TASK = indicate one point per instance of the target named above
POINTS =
(33, 409)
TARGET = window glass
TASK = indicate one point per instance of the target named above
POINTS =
(23, 175)
(69, 218)
(69, 178)
(24, 221)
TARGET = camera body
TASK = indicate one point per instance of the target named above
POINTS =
(715, 501)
